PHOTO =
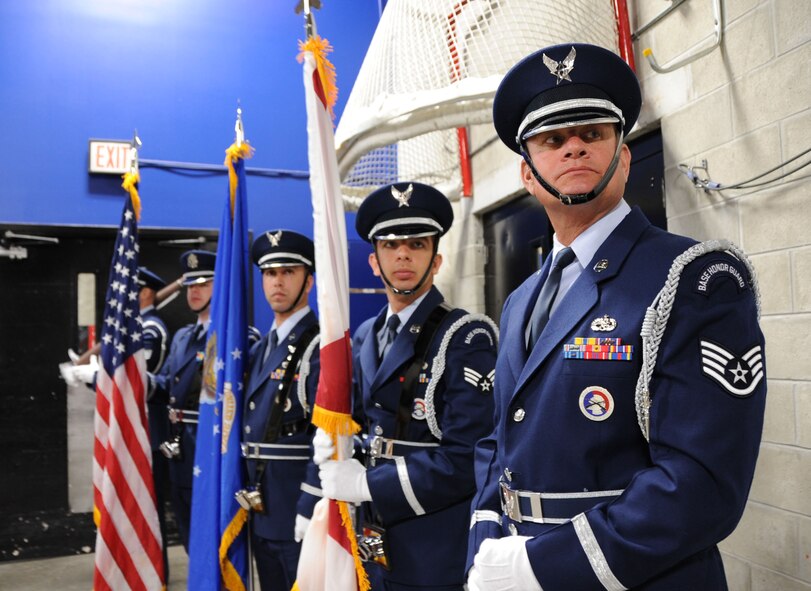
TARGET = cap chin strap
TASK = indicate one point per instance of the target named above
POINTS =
(300, 293)
(419, 283)
(203, 309)
(579, 198)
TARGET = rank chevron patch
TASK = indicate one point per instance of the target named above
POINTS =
(474, 378)
(745, 371)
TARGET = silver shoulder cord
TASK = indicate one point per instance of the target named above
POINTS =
(304, 372)
(657, 314)
(438, 366)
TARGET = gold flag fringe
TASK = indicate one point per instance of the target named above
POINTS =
(130, 185)
(230, 577)
(326, 71)
(232, 154)
(334, 423)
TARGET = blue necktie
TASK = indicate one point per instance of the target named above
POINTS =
(540, 314)
(391, 333)
(272, 342)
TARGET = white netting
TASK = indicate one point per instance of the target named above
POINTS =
(433, 66)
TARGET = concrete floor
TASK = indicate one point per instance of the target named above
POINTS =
(75, 573)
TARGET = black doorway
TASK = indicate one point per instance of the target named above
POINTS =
(38, 323)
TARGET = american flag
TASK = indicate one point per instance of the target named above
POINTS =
(128, 540)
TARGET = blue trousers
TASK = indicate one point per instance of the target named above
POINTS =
(276, 563)
(377, 578)
(181, 504)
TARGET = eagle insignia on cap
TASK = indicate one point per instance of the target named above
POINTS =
(402, 197)
(561, 70)
(192, 261)
(274, 238)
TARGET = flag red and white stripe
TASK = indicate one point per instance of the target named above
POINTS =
(128, 540)
(329, 552)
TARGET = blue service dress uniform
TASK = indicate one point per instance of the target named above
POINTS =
(290, 482)
(180, 381)
(156, 340)
(617, 511)
(422, 488)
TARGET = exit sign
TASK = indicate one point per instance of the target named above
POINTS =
(109, 156)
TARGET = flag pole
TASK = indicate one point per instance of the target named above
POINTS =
(239, 139)
(336, 544)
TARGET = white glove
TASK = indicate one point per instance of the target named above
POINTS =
(87, 373)
(344, 481)
(323, 449)
(302, 523)
(502, 565)
(66, 370)
(73, 356)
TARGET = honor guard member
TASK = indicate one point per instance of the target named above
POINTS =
(423, 378)
(618, 461)
(180, 381)
(156, 343)
(280, 393)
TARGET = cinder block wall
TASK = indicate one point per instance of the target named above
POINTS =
(746, 108)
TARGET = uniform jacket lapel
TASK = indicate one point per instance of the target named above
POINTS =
(257, 367)
(368, 352)
(274, 360)
(524, 301)
(190, 349)
(583, 295)
(402, 349)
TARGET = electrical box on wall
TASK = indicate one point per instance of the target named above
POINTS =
(109, 156)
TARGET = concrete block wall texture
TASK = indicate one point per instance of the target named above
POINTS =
(745, 110)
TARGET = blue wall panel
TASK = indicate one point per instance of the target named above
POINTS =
(174, 70)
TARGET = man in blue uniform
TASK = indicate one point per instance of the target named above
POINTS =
(156, 341)
(180, 380)
(618, 461)
(423, 381)
(280, 393)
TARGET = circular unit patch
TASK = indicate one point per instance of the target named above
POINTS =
(419, 409)
(596, 403)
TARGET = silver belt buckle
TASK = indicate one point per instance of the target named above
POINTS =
(509, 503)
(175, 415)
(376, 447)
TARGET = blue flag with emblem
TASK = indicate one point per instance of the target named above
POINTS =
(218, 544)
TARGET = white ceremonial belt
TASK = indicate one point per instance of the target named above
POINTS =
(188, 417)
(381, 447)
(537, 507)
(274, 451)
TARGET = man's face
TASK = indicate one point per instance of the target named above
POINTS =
(282, 286)
(404, 262)
(146, 297)
(198, 295)
(574, 159)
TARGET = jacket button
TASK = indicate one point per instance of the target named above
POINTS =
(252, 405)
(519, 415)
(247, 428)
(177, 379)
